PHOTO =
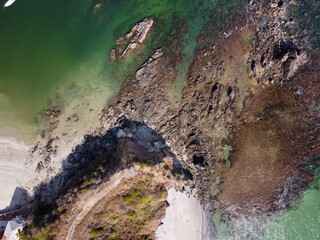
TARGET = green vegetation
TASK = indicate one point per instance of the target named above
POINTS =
(132, 214)
(224, 153)
(161, 195)
(249, 38)
(114, 219)
(114, 235)
(133, 195)
(88, 182)
(61, 209)
(214, 187)
(143, 164)
(95, 233)
(133, 210)
(42, 234)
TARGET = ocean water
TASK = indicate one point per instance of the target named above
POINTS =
(301, 222)
(48, 46)
(60, 48)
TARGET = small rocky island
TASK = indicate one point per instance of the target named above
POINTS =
(131, 41)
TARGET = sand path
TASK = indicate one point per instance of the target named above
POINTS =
(90, 199)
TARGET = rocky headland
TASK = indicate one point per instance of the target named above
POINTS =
(244, 136)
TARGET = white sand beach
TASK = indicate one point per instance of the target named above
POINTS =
(185, 219)
(13, 170)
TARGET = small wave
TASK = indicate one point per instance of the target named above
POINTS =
(11, 142)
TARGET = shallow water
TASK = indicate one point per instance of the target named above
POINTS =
(49, 45)
(51, 48)
(301, 222)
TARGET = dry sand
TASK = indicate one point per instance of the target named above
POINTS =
(185, 219)
(17, 162)
(13, 170)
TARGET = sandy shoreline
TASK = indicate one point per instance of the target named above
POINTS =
(13, 170)
(21, 153)
(185, 219)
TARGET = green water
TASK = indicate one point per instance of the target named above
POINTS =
(49, 46)
(302, 222)
(46, 45)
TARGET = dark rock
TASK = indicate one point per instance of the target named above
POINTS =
(253, 64)
(198, 160)
(229, 91)
(282, 48)
(40, 166)
(53, 113)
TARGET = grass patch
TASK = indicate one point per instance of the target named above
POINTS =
(84, 191)
(132, 214)
(132, 196)
(114, 219)
(143, 164)
(224, 153)
(88, 182)
(61, 209)
(95, 233)
(104, 216)
(249, 38)
(115, 235)
(161, 195)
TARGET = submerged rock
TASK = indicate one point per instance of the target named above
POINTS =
(53, 113)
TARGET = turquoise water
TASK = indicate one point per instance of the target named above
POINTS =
(49, 45)
(302, 222)
(46, 45)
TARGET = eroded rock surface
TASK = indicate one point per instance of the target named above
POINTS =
(261, 61)
(246, 129)
(131, 41)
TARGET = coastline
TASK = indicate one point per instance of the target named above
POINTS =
(228, 109)
(14, 168)
(27, 160)
(185, 218)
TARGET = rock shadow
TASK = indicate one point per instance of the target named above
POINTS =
(19, 199)
(121, 146)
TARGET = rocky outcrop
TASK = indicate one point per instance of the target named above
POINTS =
(246, 90)
(53, 113)
(203, 130)
(131, 41)
(119, 179)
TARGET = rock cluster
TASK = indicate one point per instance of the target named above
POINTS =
(204, 130)
(201, 130)
(131, 41)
